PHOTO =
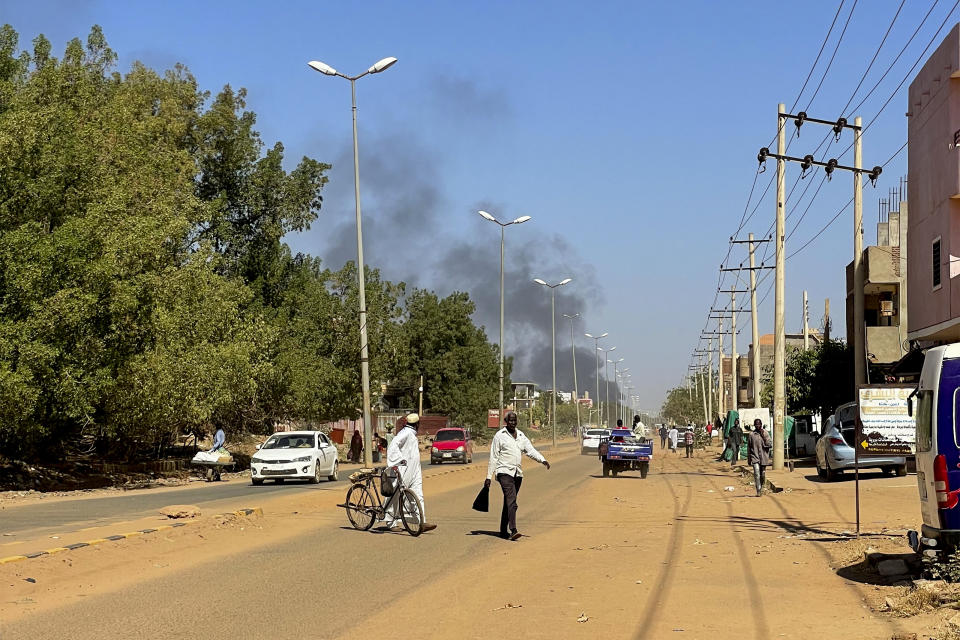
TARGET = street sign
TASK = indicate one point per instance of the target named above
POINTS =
(885, 426)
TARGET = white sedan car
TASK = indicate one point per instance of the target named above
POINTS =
(295, 454)
(591, 440)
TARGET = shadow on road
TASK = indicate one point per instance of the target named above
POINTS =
(480, 532)
(866, 572)
(847, 476)
(617, 477)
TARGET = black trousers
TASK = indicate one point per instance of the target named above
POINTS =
(511, 487)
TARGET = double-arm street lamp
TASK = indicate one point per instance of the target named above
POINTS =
(381, 65)
(596, 352)
(553, 330)
(503, 225)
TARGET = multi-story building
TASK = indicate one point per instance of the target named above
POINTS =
(749, 382)
(933, 230)
(884, 289)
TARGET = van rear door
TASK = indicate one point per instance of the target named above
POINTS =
(946, 425)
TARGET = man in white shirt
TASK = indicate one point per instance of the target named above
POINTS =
(505, 458)
(673, 436)
(405, 446)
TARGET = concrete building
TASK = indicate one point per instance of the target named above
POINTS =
(747, 383)
(933, 230)
(885, 288)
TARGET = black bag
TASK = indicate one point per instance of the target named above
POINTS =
(482, 501)
(389, 480)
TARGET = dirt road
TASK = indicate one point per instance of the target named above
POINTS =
(672, 556)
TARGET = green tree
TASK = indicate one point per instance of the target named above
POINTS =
(816, 380)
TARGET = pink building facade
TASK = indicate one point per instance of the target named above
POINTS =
(933, 235)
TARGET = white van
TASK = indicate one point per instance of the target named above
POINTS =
(936, 409)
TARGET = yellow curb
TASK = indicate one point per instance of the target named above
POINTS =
(57, 550)
(12, 559)
(132, 534)
(97, 541)
(163, 527)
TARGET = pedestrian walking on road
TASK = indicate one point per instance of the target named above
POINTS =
(735, 441)
(405, 446)
(758, 454)
(506, 455)
(673, 435)
(663, 436)
(356, 446)
(688, 440)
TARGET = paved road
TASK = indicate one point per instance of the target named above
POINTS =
(44, 518)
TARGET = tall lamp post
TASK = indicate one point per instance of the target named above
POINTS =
(573, 355)
(553, 329)
(596, 352)
(614, 363)
(606, 377)
(503, 225)
(379, 66)
(623, 395)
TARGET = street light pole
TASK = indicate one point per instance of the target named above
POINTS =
(553, 331)
(614, 363)
(606, 377)
(380, 65)
(596, 349)
(573, 355)
(503, 225)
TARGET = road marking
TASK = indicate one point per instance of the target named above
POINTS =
(9, 559)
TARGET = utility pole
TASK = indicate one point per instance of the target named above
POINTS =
(860, 365)
(826, 319)
(710, 379)
(779, 339)
(806, 331)
(721, 390)
(754, 328)
(734, 377)
(859, 348)
(420, 412)
(703, 396)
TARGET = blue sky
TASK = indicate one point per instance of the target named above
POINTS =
(628, 130)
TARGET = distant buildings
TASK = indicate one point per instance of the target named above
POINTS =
(750, 382)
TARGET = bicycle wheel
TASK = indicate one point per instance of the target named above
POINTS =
(360, 509)
(412, 512)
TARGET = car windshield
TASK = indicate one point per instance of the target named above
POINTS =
(444, 436)
(290, 441)
(596, 433)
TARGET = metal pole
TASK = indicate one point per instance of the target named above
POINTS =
(553, 332)
(859, 349)
(754, 329)
(361, 281)
(606, 393)
(500, 406)
(703, 396)
(576, 389)
(421, 395)
(779, 339)
(596, 351)
(734, 374)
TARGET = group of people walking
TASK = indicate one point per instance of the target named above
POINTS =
(671, 436)
(756, 440)
(505, 466)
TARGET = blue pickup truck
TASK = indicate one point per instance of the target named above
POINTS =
(622, 451)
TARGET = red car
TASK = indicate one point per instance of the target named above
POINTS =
(451, 445)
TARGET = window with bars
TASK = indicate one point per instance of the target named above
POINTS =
(936, 263)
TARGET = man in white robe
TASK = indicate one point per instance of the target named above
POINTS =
(405, 446)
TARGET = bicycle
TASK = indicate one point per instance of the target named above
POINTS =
(364, 503)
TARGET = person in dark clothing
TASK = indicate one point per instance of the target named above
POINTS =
(356, 446)
(758, 454)
(735, 441)
(688, 440)
(663, 436)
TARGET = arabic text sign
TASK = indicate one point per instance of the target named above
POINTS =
(885, 427)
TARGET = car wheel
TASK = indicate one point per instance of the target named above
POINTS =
(820, 472)
(902, 470)
(644, 469)
(256, 481)
(606, 469)
(335, 474)
(315, 478)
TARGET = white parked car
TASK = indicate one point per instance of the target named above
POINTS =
(307, 455)
(591, 440)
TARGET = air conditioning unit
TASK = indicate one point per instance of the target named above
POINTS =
(886, 308)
